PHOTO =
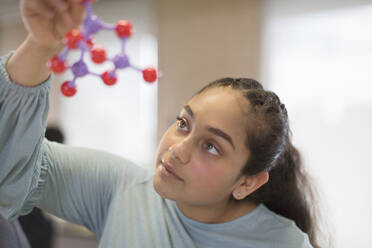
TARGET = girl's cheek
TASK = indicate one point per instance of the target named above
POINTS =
(200, 168)
(205, 169)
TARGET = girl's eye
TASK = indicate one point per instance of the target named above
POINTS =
(181, 123)
(212, 149)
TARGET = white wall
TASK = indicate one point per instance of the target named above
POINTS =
(317, 58)
(201, 41)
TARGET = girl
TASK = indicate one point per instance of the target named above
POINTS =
(226, 173)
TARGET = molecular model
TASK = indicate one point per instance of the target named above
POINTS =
(76, 39)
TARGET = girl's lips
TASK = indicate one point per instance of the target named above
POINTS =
(168, 171)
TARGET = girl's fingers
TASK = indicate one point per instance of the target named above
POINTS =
(39, 8)
(81, 1)
(51, 17)
(59, 5)
(77, 13)
(69, 23)
(64, 8)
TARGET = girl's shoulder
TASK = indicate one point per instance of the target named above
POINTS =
(281, 229)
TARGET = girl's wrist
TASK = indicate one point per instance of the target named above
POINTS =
(28, 65)
(46, 51)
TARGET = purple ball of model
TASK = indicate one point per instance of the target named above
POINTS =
(121, 61)
(79, 69)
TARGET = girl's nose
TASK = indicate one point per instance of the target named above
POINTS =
(180, 153)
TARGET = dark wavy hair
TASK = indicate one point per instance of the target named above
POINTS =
(288, 192)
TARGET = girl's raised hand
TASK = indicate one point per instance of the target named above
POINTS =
(47, 21)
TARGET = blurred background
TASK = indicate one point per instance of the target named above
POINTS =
(316, 55)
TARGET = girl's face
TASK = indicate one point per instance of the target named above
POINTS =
(200, 157)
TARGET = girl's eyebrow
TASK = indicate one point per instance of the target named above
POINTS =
(213, 130)
(189, 111)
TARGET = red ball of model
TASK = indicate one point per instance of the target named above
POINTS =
(72, 38)
(108, 78)
(149, 74)
(123, 28)
(98, 55)
(67, 90)
(56, 65)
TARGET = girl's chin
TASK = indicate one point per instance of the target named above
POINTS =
(159, 185)
(162, 188)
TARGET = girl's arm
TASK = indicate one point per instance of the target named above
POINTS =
(28, 65)
(80, 184)
(75, 184)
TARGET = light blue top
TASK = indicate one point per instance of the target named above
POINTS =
(105, 193)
